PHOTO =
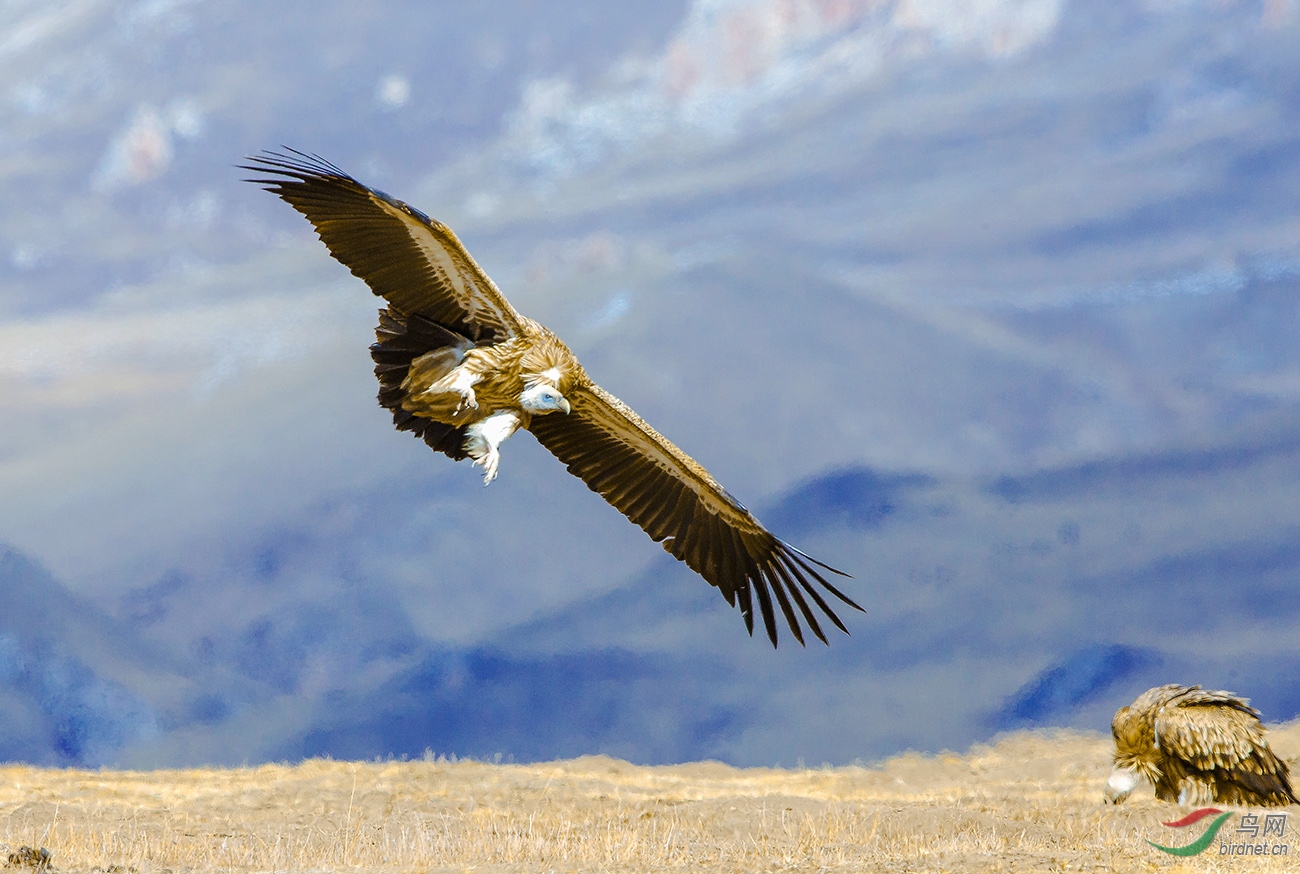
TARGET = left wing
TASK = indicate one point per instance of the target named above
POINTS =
(414, 262)
(675, 500)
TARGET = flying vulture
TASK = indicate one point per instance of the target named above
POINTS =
(1196, 746)
(460, 368)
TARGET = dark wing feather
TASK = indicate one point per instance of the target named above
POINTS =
(1218, 733)
(399, 340)
(677, 502)
(409, 259)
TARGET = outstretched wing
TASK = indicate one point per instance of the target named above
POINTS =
(407, 258)
(677, 502)
(1219, 732)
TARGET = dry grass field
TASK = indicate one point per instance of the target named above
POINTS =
(1028, 802)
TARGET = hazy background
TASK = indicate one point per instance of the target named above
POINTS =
(996, 306)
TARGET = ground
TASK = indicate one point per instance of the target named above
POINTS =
(1029, 801)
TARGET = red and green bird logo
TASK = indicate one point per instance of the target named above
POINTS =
(1200, 844)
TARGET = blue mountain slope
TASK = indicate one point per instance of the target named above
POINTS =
(1006, 621)
(1052, 605)
(1079, 678)
(1086, 686)
(854, 498)
(64, 696)
(484, 702)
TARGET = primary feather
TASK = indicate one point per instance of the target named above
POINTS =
(461, 369)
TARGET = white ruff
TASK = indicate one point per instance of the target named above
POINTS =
(1122, 781)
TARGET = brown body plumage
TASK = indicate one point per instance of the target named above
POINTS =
(461, 369)
(1196, 746)
(500, 372)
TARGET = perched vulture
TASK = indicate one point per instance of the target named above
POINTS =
(1196, 746)
(460, 368)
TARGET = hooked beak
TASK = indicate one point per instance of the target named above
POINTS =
(564, 404)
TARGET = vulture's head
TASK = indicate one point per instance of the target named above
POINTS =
(1135, 737)
(1137, 750)
(542, 398)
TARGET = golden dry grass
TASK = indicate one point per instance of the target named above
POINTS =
(1028, 802)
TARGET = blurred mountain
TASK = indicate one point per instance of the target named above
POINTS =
(1080, 678)
(67, 672)
(138, 110)
(991, 603)
(485, 702)
(994, 306)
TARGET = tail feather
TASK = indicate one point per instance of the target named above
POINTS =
(400, 339)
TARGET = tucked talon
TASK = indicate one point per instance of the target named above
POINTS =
(489, 463)
(483, 439)
(467, 401)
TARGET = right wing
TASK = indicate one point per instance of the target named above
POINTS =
(675, 500)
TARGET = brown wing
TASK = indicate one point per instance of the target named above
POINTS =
(677, 502)
(407, 258)
(1218, 732)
